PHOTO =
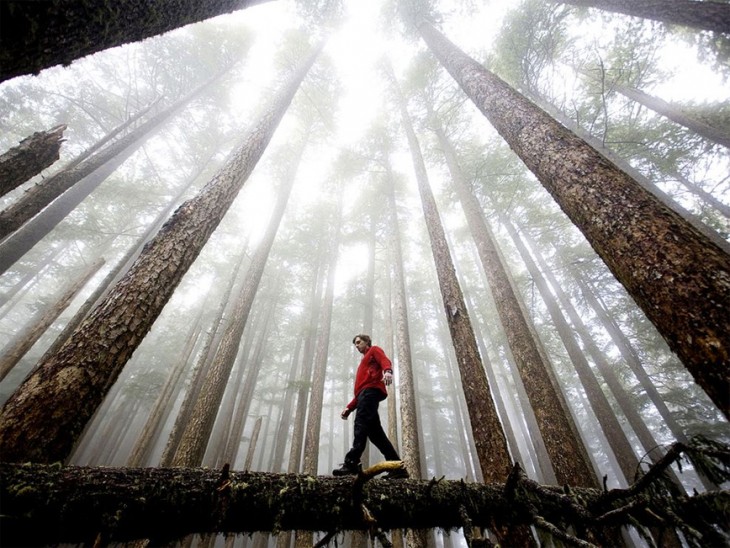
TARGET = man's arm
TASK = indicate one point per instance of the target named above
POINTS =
(385, 365)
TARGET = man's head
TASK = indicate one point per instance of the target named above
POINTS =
(362, 343)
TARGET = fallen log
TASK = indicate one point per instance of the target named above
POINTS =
(50, 504)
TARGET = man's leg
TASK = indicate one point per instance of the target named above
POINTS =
(380, 439)
(367, 407)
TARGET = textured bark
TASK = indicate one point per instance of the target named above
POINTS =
(115, 272)
(634, 173)
(489, 438)
(615, 435)
(43, 419)
(411, 452)
(41, 34)
(316, 398)
(51, 504)
(200, 369)
(72, 185)
(25, 339)
(165, 398)
(559, 433)
(30, 157)
(675, 114)
(487, 430)
(705, 14)
(200, 423)
(676, 275)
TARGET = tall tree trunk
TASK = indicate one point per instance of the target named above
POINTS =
(25, 339)
(200, 425)
(634, 173)
(30, 157)
(675, 114)
(165, 398)
(116, 271)
(200, 370)
(706, 14)
(253, 368)
(282, 434)
(411, 453)
(677, 276)
(314, 415)
(40, 209)
(492, 450)
(43, 419)
(488, 435)
(297, 439)
(41, 34)
(560, 434)
(617, 439)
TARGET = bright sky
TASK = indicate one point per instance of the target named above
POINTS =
(359, 44)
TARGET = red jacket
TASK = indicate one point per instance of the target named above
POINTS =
(370, 373)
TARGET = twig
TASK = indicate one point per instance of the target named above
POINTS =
(555, 531)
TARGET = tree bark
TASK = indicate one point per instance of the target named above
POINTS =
(409, 417)
(42, 207)
(30, 157)
(489, 438)
(43, 419)
(676, 275)
(25, 339)
(314, 414)
(200, 424)
(705, 15)
(41, 34)
(675, 114)
(560, 434)
(51, 504)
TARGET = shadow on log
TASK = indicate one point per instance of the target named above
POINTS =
(50, 504)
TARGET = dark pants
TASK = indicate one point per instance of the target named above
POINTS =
(367, 425)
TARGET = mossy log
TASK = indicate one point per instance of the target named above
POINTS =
(49, 504)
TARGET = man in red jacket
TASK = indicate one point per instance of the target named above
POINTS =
(374, 373)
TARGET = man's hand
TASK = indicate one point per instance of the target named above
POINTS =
(345, 413)
(388, 378)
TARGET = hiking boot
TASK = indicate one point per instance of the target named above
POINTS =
(347, 469)
(398, 473)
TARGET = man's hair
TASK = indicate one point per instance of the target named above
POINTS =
(365, 338)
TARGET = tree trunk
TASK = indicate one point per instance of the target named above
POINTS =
(30, 157)
(491, 445)
(200, 370)
(560, 434)
(165, 398)
(634, 173)
(677, 276)
(314, 415)
(411, 452)
(617, 439)
(43, 419)
(675, 114)
(200, 424)
(305, 379)
(62, 192)
(25, 339)
(116, 271)
(706, 14)
(41, 34)
(79, 505)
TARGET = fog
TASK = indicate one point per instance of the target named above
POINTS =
(319, 262)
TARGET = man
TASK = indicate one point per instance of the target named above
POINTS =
(374, 373)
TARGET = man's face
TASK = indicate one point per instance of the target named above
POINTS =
(361, 345)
